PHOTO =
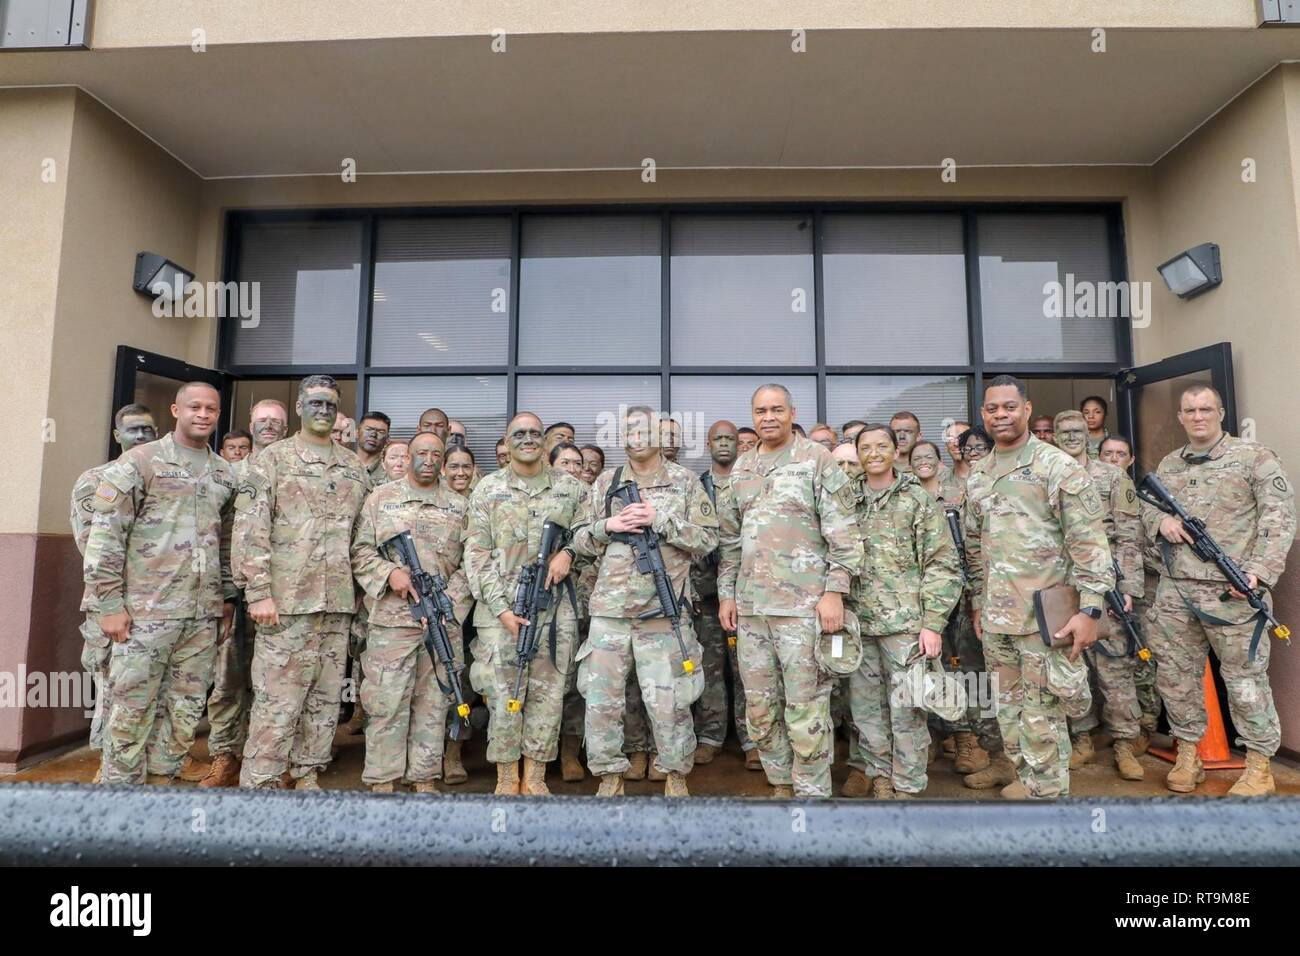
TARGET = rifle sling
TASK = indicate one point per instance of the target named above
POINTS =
(1166, 552)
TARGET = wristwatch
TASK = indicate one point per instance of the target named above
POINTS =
(1092, 612)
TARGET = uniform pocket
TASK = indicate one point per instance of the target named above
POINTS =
(582, 658)
(1068, 680)
(481, 670)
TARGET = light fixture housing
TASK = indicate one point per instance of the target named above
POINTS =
(156, 275)
(1190, 273)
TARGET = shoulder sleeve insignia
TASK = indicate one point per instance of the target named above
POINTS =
(1130, 494)
(1280, 483)
(107, 491)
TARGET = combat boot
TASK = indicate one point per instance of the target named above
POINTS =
(856, 784)
(611, 785)
(571, 770)
(971, 757)
(534, 784)
(424, 786)
(936, 749)
(882, 788)
(159, 779)
(705, 753)
(357, 722)
(651, 773)
(385, 787)
(1142, 743)
(1188, 770)
(753, 760)
(508, 779)
(99, 772)
(308, 782)
(1256, 780)
(1015, 790)
(286, 780)
(224, 772)
(1000, 772)
(1126, 762)
(192, 771)
(782, 791)
(675, 785)
(453, 771)
(950, 746)
(1081, 751)
(638, 761)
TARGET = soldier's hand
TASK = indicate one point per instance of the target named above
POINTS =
(1254, 585)
(116, 627)
(227, 623)
(979, 628)
(558, 568)
(399, 582)
(830, 610)
(263, 612)
(512, 622)
(1172, 530)
(1128, 604)
(727, 615)
(630, 518)
(1084, 630)
(931, 643)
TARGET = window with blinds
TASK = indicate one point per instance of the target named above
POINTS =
(701, 400)
(590, 403)
(478, 402)
(935, 400)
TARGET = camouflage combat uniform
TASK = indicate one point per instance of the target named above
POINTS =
(719, 649)
(687, 526)
(1120, 711)
(573, 723)
(1247, 503)
(506, 514)
(788, 536)
(1033, 520)
(1144, 672)
(406, 708)
(910, 580)
(97, 651)
(159, 549)
(294, 521)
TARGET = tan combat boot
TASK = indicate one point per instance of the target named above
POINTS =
(159, 779)
(856, 784)
(651, 773)
(571, 770)
(1256, 780)
(385, 787)
(971, 757)
(308, 782)
(638, 761)
(425, 786)
(1142, 743)
(611, 785)
(950, 746)
(1126, 762)
(1000, 772)
(453, 771)
(1081, 751)
(534, 784)
(1015, 790)
(507, 779)
(705, 753)
(753, 760)
(1188, 770)
(286, 780)
(675, 785)
(882, 788)
(782, 791)
(224, 772)
(357, 722)
(192, 771)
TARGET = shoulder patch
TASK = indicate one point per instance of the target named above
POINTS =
(1280, 483)
(1131, 494)
(106, 491)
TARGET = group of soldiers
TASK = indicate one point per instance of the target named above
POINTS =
(825, 574)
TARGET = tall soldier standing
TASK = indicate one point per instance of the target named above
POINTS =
(1238, 488)
(625, 629)
(157, 562)
(1033, 521)
(294, 520)
(790, 549)
(506, 513)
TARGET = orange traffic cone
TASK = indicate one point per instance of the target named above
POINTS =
(1213, 747)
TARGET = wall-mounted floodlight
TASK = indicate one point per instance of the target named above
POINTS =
(1190, 273)
(157, 275)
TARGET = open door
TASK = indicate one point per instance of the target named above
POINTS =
(152, 380)
(1149, 400)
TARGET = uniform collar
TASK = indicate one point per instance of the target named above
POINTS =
(1213, 453)
(1002, 466)
(308, 452)
(169, 450)
(655, 479)
(523, 484)
(435, 494)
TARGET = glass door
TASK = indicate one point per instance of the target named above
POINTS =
(152, 380)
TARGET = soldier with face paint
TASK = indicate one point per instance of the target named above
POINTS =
(132, 425)
(372, 438)
(294, 519)
(435, 420)
(157, 564)
(907, 431)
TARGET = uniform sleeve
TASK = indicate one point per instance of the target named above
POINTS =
(696, 531)
(485, 582)
(82, 492)
(836, 507)
(590, 538)
(940, 569)
(728, 543)
(369, 566)
(972, 522)
(250, 547)
(114, 505)
(1079, 511)
(1275, 519)
(1128, 536)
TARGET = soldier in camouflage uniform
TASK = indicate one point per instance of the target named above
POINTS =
(372, 438)
(132, 425)
(294, 519)
(1033, 521)
(506, 514)
(625, 628)
(1239, 489)
(1094, 409)
(790, 549)
(1114, 675)
(406, 706)
(158, 566)
(909, 584)
(231, 699)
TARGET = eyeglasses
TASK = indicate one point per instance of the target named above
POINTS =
(976, 448)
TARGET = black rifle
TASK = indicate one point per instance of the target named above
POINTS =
(650, 560)
(433, 610)
(532, 600)
(1133, 643)
(958, 539)
(1153, 492)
